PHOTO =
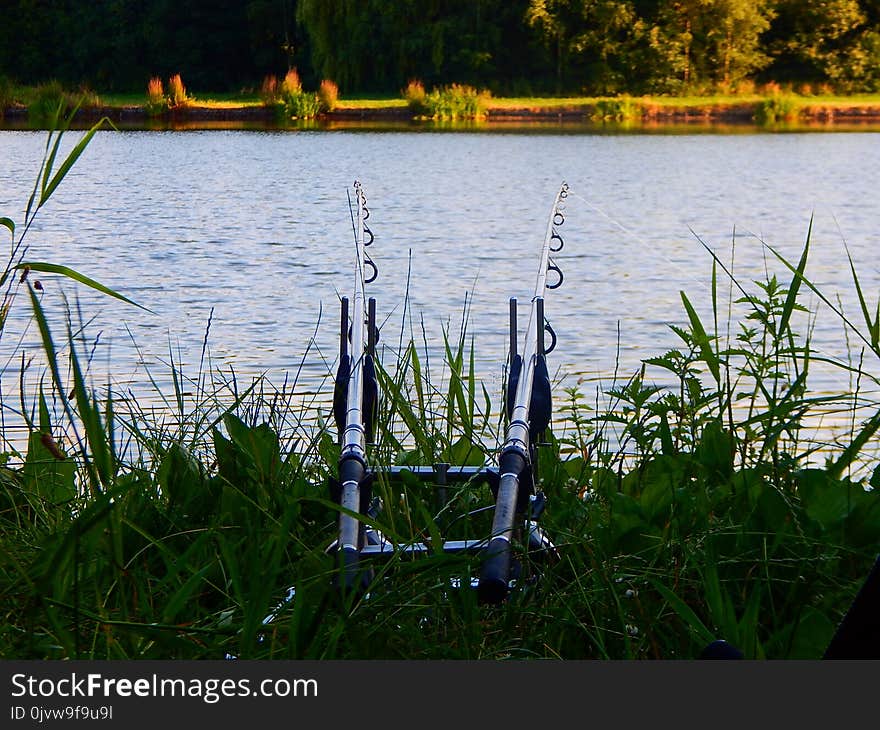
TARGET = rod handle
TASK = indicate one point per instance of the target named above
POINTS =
(495, 574)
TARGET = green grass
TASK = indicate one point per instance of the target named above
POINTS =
(239, 100)
(697, 510)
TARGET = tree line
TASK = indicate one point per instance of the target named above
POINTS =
(511, 47)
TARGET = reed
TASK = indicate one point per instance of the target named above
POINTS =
(617, 109)
(176, 95)
(7, 94)
(416, 98)
(296, 103)
(270, 94)
(46, 101)
(328, 95)
(457, 101)
(156, 103)
(778, 108)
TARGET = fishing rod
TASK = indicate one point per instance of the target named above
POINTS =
(355, 401)
(529, 407)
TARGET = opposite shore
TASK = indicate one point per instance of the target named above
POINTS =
(633, 110)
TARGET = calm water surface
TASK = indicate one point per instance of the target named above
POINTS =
(251, 231)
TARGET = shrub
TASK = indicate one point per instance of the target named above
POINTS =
(291, 84)
(88, 99)
(177, 97)
(302, 105)
(296, 103)
(416, 98)
(456, 101)
(617, 109)
(778, 107)
(48, 98)
(328, 95)
(156, 101)
(744, 87)
(7, 94)
(269, 91)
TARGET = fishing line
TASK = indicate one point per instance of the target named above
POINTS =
(639, 239)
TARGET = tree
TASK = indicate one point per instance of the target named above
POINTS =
(701, 44)
(824, 41)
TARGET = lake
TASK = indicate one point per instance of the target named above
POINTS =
(250, 231)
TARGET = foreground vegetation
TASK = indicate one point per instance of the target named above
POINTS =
(701, 509)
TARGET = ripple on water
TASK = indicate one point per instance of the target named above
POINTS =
(252, 231)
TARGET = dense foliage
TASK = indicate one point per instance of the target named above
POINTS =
(507, 46)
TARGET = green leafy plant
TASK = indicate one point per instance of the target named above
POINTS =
(295, 102)
(617, 109)
(777, 108)
(455, 102)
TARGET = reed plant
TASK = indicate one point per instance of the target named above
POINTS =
(328, 95)
(46, 100)
(416, 98)
(686, 508)
(7, 94)
(270, 94)
(777, 108)
(617, 109)
(176, 94)
(296, 103)
(156, 103)
(456, 102)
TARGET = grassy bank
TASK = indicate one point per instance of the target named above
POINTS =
(682, 513)
(770, 106)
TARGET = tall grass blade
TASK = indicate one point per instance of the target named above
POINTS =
(873, 325)
(685, 612)
(854, 448)
(48, 344)
(49, 186)
(794, 287)
(818, 292)
(702, 339)
(90, 416)
(57, 133)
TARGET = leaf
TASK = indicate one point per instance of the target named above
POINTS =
(45, 474)
(825, 500)
(48, 268)
(702, 339)
(873, 324)
(852, 450)
(715, 451)
(8, 223)
(685, 613)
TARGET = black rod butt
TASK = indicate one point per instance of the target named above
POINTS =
(494, 578)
